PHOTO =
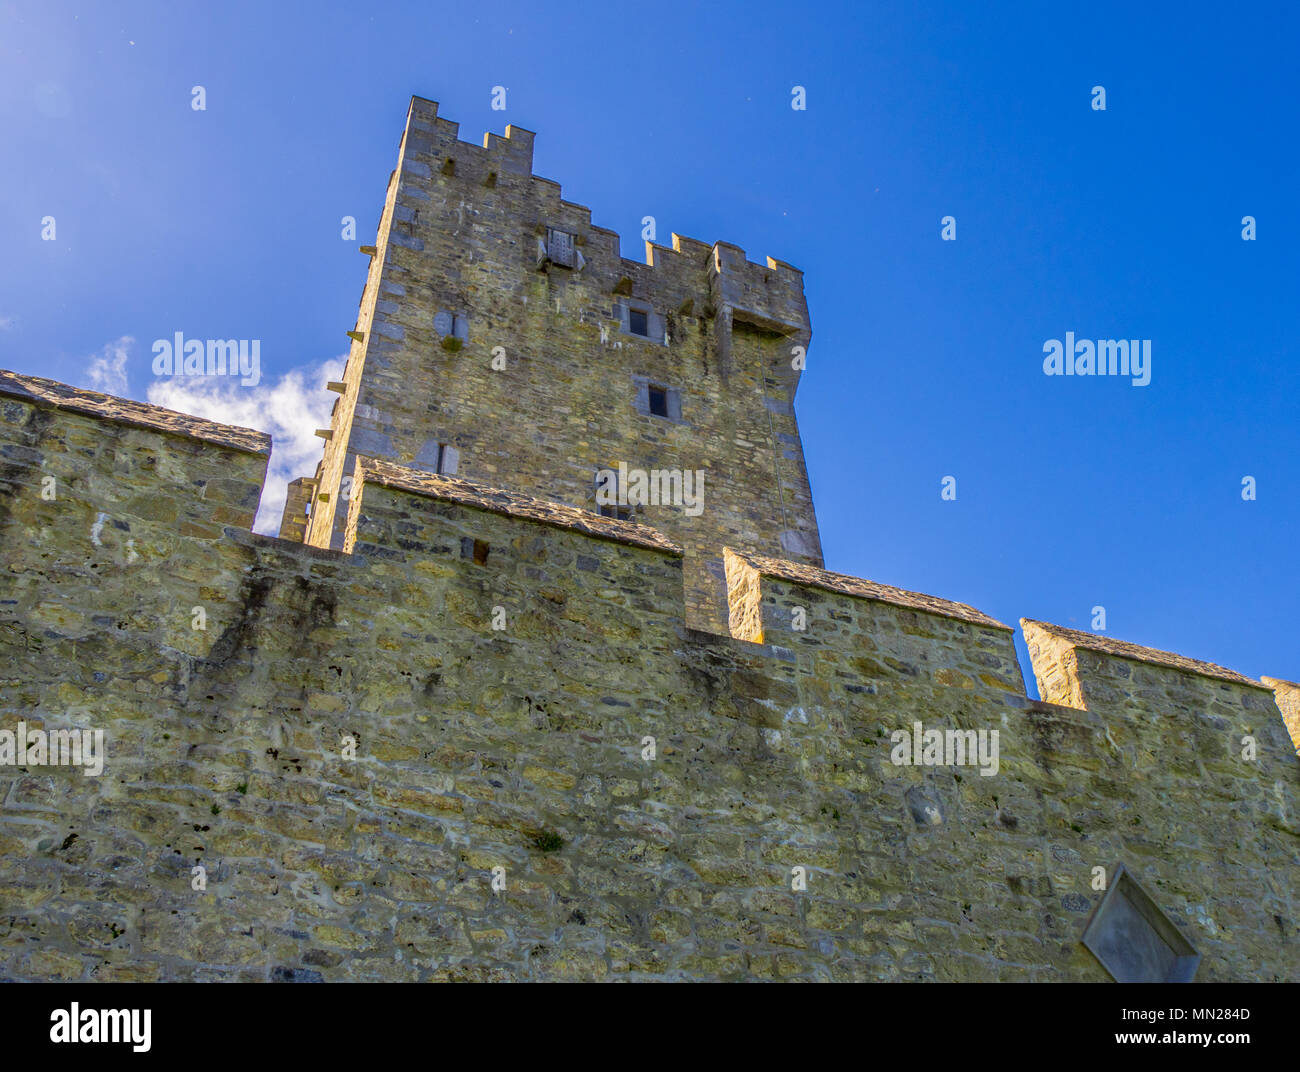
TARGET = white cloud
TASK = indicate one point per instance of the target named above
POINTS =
(291, 409)
(107, 372)
(6, 322)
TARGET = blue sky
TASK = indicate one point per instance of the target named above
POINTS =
(927, 355)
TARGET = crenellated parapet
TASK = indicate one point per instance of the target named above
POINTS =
(1188, 697)
(53, 395)
(689, 278)
(351, 742)
(374, 473)
(112, 465)
(68, 449)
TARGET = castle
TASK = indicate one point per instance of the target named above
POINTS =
(467, 719)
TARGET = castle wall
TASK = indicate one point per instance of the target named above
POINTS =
(522, 748)
(460, 237)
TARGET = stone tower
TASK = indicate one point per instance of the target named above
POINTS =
(352, 749)
(502, 339)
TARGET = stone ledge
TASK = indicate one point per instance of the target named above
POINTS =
(1125, 650)
(797, 573)
(42, 392)
(512, 504)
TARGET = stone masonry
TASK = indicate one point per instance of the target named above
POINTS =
(470, 729)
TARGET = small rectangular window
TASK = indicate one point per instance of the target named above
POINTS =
(638, 322)
(448, 325)
(448, 460)
(657, 400)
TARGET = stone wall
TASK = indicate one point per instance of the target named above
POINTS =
(349, 748)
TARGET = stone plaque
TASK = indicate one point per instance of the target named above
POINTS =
(1134, 940)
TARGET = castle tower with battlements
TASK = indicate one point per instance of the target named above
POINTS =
(503, 339)
(462, 721)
